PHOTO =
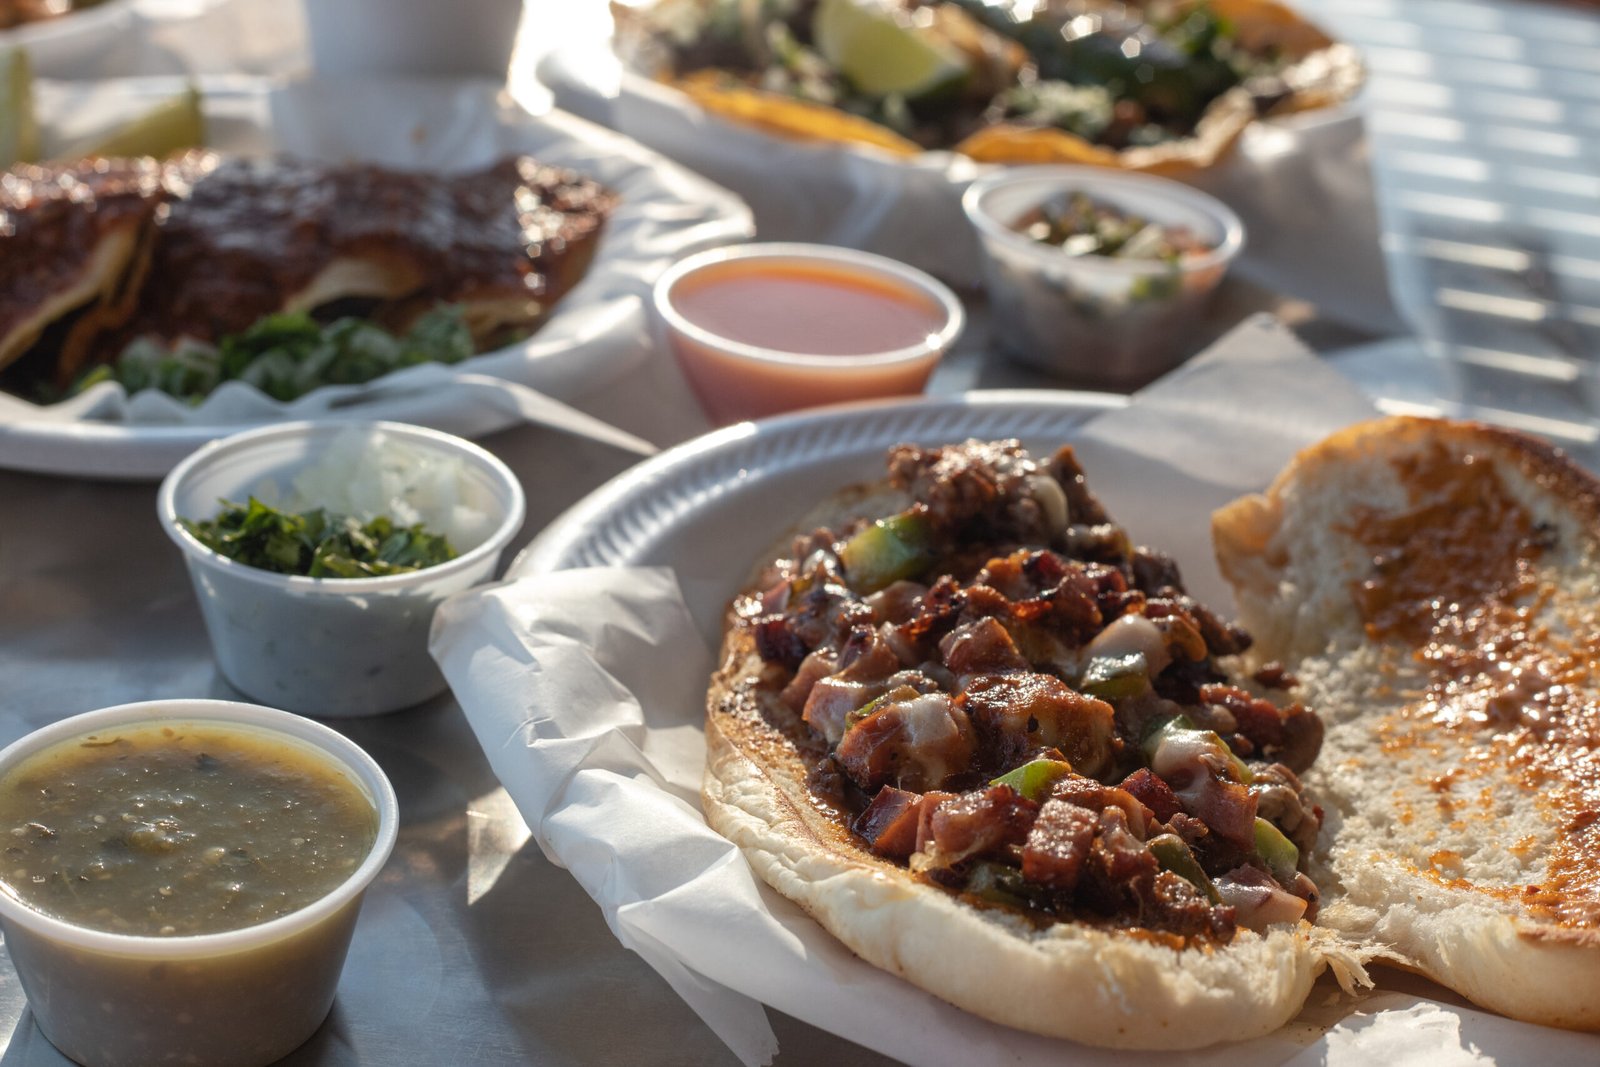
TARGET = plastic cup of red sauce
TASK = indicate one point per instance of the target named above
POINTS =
(760, 329)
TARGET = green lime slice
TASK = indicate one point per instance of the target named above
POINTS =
(879, 54)
(167, 128)
(19, 129)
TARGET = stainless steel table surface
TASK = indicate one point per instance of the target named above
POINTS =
(472, 948)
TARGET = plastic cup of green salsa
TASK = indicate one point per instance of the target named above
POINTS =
(237, 998)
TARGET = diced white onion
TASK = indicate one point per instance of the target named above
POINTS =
(368, 474)
(1130, 634)
(1049, 496)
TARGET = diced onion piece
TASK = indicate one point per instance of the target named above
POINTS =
(1257, 902)
(1132, 634)
(1048, 494)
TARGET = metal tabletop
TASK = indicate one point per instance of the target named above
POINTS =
(474, 949)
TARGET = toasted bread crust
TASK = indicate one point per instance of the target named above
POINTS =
(1464, 831)
(1540, 461)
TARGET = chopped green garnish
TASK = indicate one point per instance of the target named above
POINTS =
(1034, 778)
(1085, 110)
(316, 544)
(287, 356)
(1083, 226)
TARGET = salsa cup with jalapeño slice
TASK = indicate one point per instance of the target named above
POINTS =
(181, 878)
(1108, 292)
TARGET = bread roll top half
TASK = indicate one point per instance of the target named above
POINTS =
(1435, 586)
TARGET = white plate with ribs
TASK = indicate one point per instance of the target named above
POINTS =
(597, 330)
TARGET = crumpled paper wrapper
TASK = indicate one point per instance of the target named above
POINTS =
(586, 689)
(1300, 184)
(599, 330)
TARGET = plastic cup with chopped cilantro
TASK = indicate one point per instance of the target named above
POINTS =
(319, 552)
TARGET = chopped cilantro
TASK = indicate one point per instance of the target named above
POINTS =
(317, 544)
(287, 356)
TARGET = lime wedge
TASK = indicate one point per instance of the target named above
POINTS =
(167, 128)
(19, 130)
(880, 54)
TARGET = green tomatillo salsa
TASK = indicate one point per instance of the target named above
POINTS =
(179, 829)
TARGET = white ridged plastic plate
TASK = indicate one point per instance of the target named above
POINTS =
(707, 508)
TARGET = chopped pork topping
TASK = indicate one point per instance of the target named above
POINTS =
(915, 740)
(1024, 707)
(889, 823)
(1058, 844)
(978, 822)
(1020, 715)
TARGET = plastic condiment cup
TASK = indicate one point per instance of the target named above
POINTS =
(241, 998)
(360, 38)
(735, 380)
(1097, 320)
(331, 647)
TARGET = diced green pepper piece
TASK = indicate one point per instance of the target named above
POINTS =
(998, 884)
(1034, 779)
(887, 551)
(1174, 855)
(1114, 677)
(1283, 858)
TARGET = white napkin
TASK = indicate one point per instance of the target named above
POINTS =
(586, 689)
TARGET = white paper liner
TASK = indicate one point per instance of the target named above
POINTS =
(586, 689)
(599, 330)
(1301, 185)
